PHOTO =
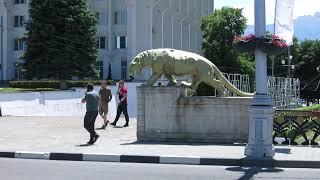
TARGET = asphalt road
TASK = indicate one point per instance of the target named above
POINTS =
(26, 169)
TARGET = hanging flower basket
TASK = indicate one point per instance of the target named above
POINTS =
(271, 46)
(245, 44)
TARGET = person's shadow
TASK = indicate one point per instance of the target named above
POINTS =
(84, 145)
(249, 172)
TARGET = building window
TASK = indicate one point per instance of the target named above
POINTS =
(98, 17)
(102, 43)
(102, 18)
(120, 17)
(121, 42)
(20, 1)
(123, 68)
(19, 21)
(19, 44)
(18, 70)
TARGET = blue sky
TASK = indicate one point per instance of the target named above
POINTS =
(301, 8)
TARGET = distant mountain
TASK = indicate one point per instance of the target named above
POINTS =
(305, 27)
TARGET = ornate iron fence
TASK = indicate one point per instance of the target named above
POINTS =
(285, 92)
(241, 81)
(297, 127)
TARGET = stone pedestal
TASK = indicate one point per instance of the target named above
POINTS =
(167, 114)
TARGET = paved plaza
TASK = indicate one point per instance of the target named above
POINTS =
(67, 135)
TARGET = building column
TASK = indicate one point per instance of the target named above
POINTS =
(261, 111)
(173, 17)
(1, 47)
(131, 29)
(151, 21)
(148, 73)
(162, 25)
(3, 42)
(110, 23)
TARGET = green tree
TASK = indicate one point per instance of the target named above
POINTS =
(281, 70)
(306, 69)
(61, 39)
(219, 29)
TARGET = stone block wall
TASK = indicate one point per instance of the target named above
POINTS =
(167, 114)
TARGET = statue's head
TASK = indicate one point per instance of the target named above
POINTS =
(135, 66)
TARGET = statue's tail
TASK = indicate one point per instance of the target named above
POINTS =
(228, 85)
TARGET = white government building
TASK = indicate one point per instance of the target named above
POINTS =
(125, 28)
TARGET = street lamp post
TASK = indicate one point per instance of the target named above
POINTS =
(261, 111)
(288, 79)
(290, 66)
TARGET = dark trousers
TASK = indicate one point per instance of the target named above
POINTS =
(122, 108)
(89, 120)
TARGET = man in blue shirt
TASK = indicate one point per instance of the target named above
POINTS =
(92, 100)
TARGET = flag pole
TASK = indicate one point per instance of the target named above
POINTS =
(274, 19)
(274, 32)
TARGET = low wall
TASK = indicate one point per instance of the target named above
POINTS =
(59, 103)
(166, 114)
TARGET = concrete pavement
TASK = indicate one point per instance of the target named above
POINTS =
(63, 138)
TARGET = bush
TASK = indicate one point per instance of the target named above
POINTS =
(52, 84)
(34, 84)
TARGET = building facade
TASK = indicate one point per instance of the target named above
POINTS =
(125, 28)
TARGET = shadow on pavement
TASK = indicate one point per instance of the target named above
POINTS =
(283, 150)
(249, 172)
(178, 143)
(84, 145)
(119, 127)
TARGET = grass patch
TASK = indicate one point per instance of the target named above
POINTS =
(8, 90)
(310, 108)
(310, 135)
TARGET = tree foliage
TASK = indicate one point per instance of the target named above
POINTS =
(219, 29)
(281, 70)
(306, 69)
(306, 59)
(60, 39)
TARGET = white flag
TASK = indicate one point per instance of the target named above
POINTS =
(283, 21)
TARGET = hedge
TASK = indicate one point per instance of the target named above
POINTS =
(53, 84)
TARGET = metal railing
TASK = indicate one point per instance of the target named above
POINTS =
(296, 127)
(285, 92)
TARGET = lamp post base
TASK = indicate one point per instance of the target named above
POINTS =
(261, 126)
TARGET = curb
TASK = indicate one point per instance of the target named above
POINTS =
(243, 162)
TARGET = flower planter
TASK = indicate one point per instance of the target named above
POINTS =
(271, 46)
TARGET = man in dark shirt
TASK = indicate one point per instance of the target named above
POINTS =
(105, 98)
(91, 99)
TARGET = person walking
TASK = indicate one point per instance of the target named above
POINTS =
(105, 98)
(92, 100)
(122, 92)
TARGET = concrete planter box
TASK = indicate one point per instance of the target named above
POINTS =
(167, 114)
